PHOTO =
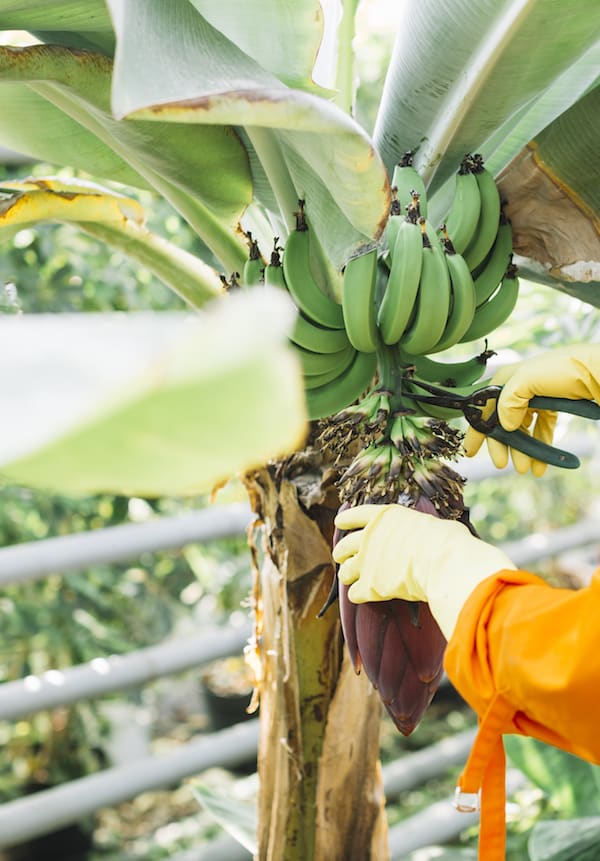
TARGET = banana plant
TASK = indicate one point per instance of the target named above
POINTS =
(214, 107)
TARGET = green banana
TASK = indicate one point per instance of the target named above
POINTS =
(461, 221)
(253, 271)
(496, 310)
(449, 374)
(394, 221)
(403, 282)
(299, 279)
(495, 264)
(317, 339)
(274, 276)
(433, 298)
(462, 303)
(489, 216)
(333, 396)
(358, 301)
(409, 183)
(319, 363)
(313, 381)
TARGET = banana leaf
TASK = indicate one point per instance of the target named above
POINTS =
(113, 218)
(504, 91)
(149, 404)
(204, 175)
(307, 146)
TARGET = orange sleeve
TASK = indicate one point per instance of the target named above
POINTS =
(538, 648)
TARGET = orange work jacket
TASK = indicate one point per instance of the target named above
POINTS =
(526, 657)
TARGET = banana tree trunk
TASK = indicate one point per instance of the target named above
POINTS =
(321, 795)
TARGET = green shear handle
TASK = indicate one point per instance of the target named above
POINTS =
(539, 450)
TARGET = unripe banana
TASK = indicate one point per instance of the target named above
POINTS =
(489, 217)
(300, 281)
(393, 223)
(313, 381)
(316, 338)
(462, 301)
(319, 363)
(496, 310)
(253, 271)
(274, 276)
(433, 298)
(403, 281)
(409, 183)
(495, 265)
(461, 221)
(332, 397)
(358, 301)
(450, 374)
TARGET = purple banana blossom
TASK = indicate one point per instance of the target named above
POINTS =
(400, 646)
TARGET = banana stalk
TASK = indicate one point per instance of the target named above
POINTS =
(335, 805)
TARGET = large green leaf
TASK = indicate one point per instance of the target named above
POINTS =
(237, 817)
(250, 24)
(149, 404)
(536, 121)
(569, 782)
(307, 146)
(113, 218)
(503, 58)
(31, 125)
(78, 23)
(573, 840)
(205, 175)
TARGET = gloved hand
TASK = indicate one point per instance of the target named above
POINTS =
(396, 552)
(566, 372)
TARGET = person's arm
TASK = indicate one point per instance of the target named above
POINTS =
(539, 647)
(509, 632)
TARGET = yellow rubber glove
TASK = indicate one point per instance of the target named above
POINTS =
(567, 372)
(396, 552)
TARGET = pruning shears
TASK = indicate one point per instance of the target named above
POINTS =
(471, 406)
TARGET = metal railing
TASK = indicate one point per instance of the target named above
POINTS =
(46, 811)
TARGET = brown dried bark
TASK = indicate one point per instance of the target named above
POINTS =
(321, 796)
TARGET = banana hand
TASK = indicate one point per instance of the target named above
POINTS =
(567, 372)
(396, 552)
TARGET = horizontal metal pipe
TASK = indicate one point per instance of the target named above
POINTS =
(416, 768)
(37, 559)
(118, 672)
(105, 675)
(51, 809)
